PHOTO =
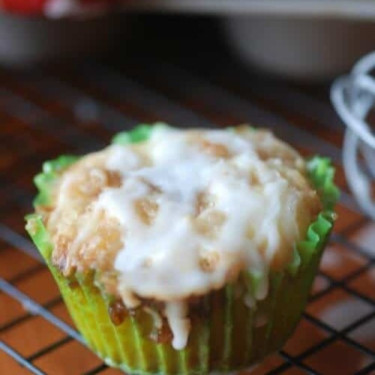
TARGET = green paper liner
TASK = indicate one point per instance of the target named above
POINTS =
(225, 334)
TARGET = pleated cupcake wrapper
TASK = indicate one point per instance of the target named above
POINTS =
(225, 333)
(228, 335)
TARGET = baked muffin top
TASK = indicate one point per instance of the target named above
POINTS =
(181, 214)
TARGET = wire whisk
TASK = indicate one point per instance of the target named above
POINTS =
(353, 97)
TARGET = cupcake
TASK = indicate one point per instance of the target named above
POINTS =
(184, 251)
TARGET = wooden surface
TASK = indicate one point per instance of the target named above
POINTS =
(50, 111)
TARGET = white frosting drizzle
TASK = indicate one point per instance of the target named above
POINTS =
(218, 202)
(179, 323)
(162, 260)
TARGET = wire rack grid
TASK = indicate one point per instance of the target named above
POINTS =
(49, 112)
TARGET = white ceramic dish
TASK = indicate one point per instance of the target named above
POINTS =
(309, 39)
(302, 39)
(301, 48)
(338, 9)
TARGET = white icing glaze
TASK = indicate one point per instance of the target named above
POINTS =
(176, 313)
(250, 215)
(162, 260)
(180, 171)
(122, 159)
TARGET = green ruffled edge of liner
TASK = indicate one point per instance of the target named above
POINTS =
(140, 133)
(320, 172)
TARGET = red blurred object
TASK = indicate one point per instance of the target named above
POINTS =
(40, 7)
(24, 6)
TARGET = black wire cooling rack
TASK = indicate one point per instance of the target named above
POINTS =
(44, 113)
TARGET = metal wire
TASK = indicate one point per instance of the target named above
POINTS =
(160, 102)
(353, 97)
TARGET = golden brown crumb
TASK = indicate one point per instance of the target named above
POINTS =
(162, 335)
(208, 223)
(117, 312)
(146, 209)
(215, 149)
(204, 201)
(209, 261)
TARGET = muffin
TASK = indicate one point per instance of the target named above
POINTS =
(184, 251)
